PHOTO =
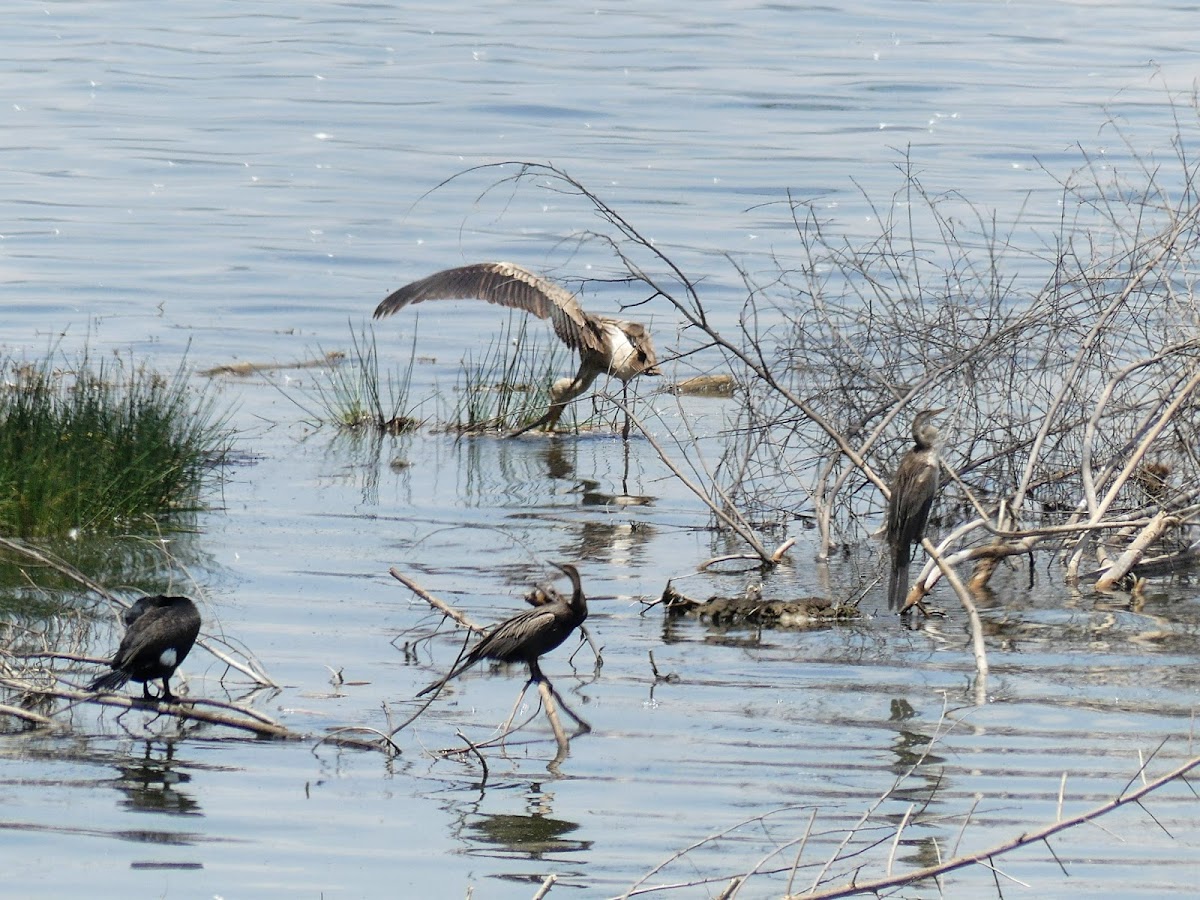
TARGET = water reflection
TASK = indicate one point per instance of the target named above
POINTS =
(534, 835)
(559, 464)
(620, 543)
(153, 783)
(359, 456)
(923, 779)
(911, 747)
(539, 471)
(151, 563)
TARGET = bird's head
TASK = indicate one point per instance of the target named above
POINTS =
(578, 601)
(924, 433)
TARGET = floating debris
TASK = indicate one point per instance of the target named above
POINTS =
(752, 609)
(244, 369)
(705, 386)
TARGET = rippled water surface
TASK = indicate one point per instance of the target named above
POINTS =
(227, 182)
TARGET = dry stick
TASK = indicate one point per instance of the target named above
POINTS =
(61, 567)
(27, 715)
(1086, 346)
(447, 610)
(337, 736)
(1136, 457)
(1030, 837)
(246, 720)
(964, 597)
(891, 859)
(545, 888)
(997, 873)
(547, 693)
(775, 558)
(69, 657)
(967, 821)
(783, 548)
(440, 605)
(762, 862)
(1021, 542)
(497, 741)
(505, 729)
(479, 756)
(232, 707)
(700, 468)
(800, 851)
(185, 709)
(870, 810)
(743, 530)
(1093, 424)
(1134, 552)
(591, 642)
(250, 668)
(1095, 507)
(635, 889)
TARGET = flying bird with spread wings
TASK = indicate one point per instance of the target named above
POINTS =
(606, 345)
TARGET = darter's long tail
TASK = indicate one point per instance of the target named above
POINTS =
(898, 583)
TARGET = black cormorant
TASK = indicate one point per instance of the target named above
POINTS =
(159, 632)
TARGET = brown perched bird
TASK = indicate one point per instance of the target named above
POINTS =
(913, 490)
(606, 345)
(529, 634)
(159, 632)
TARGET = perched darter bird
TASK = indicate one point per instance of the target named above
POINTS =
(528, 635)
(159, 633)
(913, 491)
(606, 345)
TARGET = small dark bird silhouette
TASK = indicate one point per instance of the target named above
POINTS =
(529, 634)
(913, 490)
(616, 347)
(159, 633)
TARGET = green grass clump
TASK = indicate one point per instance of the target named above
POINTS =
(355, 398)
(509, 385)
(101, 447)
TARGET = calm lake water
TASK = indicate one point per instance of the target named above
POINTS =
(226, 182)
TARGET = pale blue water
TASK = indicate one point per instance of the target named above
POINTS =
(245, 182)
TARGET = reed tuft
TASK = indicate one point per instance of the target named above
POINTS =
(102, 446)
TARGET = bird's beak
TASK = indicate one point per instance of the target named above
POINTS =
(653, 370)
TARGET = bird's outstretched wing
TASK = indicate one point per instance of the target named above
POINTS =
(504, 284)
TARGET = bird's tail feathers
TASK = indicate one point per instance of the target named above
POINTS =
(898, 582)
(453, 673)
(110, 681)
(898, 585)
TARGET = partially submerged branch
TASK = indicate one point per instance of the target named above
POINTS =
(985, 857)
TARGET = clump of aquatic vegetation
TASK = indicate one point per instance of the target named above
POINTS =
(102, 446)
(508, 386)
(358, 395)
